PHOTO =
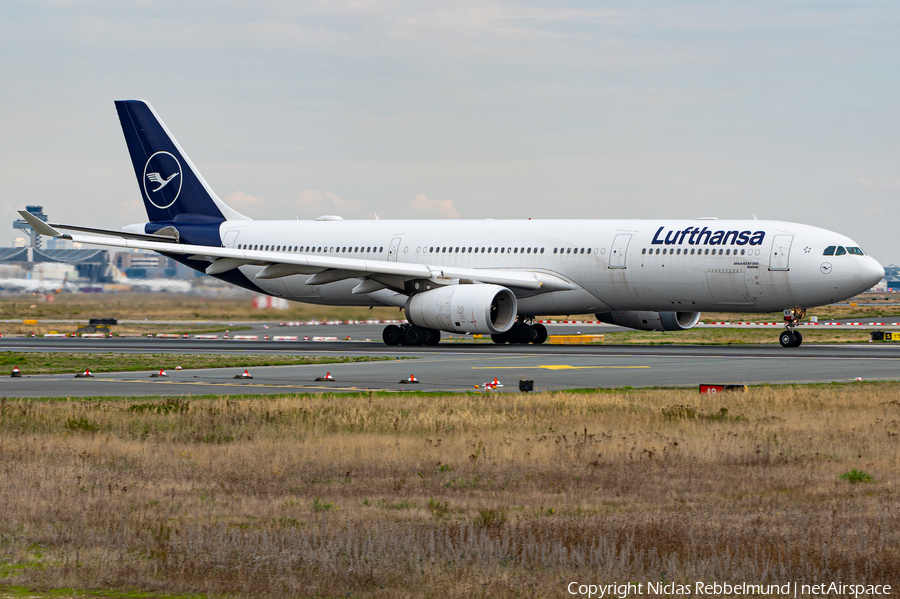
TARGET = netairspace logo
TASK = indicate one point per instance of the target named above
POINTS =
(719, 589)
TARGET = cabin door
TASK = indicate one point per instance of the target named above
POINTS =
(781, 252)
(395, 249)
(618, 251)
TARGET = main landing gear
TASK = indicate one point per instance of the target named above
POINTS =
(523, 332)
(410, 334)
(790, 337)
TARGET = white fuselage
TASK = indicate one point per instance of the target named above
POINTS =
(672, 265)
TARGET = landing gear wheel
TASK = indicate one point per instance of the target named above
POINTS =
(391, 335)
(798, 338)
(416, 335)
(522, 334)
(540, 334)
(788, 339)
(501, 337)
(433, 337)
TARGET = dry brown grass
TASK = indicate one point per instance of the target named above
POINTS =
(175, 306)
(451, 496)
(171, 307)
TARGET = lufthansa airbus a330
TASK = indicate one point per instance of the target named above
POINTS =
(483, 276)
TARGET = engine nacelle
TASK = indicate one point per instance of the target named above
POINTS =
(485, 309)
(652, 321)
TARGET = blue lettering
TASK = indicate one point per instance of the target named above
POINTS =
(757, 238)
(732, 234)
(657, 241)
(744, 238)
(717, 238)
(671, 237)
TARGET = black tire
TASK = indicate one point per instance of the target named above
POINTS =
(787, 339)
(540, 334)
(522, 334)
(415, 335)
(798, 339)
(433, 338)
(391, 335)
(500, 337)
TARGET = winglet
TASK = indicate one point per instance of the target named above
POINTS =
(41, 227)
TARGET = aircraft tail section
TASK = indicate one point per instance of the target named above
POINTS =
(170, 185)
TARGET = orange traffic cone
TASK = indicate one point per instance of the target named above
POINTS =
(161, 372)
(244, 375)
(327, 377)
(496, 383)
(411, 380)
(85, 375)
(15, 373)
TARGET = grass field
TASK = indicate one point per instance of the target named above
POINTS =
(409, 495)
(64, 362)
(173, 306)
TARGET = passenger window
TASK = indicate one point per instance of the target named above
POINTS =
(515, 250)
(728, 252)
(840, 251)
(707, 251)
(657, 250)
(542, 250)
(554, 250)
(568, 250)
(742, 252)
(855, 251)
(692, 251)
(644, 251)
(829, 251)
(502, 250)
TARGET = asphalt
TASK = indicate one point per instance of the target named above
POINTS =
(455, 366)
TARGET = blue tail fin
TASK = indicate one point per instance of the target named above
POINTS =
(170, 185)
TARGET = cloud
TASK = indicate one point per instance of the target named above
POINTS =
(318, 203)
(129, 207)
(239, 197)
(879, 185)
(438, 208)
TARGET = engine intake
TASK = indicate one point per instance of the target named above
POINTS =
(484, 309)
(651, 321)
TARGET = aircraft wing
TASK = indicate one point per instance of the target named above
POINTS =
(324, 269)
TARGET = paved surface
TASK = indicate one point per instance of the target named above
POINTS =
(458, 367)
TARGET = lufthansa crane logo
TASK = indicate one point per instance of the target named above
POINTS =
(162, 179)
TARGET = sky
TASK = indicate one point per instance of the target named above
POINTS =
(786, 110)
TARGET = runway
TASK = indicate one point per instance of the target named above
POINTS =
(457, 367)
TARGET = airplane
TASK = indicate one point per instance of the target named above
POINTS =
(490, 277)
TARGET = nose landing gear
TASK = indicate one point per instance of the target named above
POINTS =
(791, 337)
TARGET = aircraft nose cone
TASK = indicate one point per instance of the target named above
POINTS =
(870, 272)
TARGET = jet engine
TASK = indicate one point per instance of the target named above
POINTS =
(485, 309)
(651, 321)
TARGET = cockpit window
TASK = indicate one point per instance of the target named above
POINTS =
(840, 251)
(855, 251)
(829, 251)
